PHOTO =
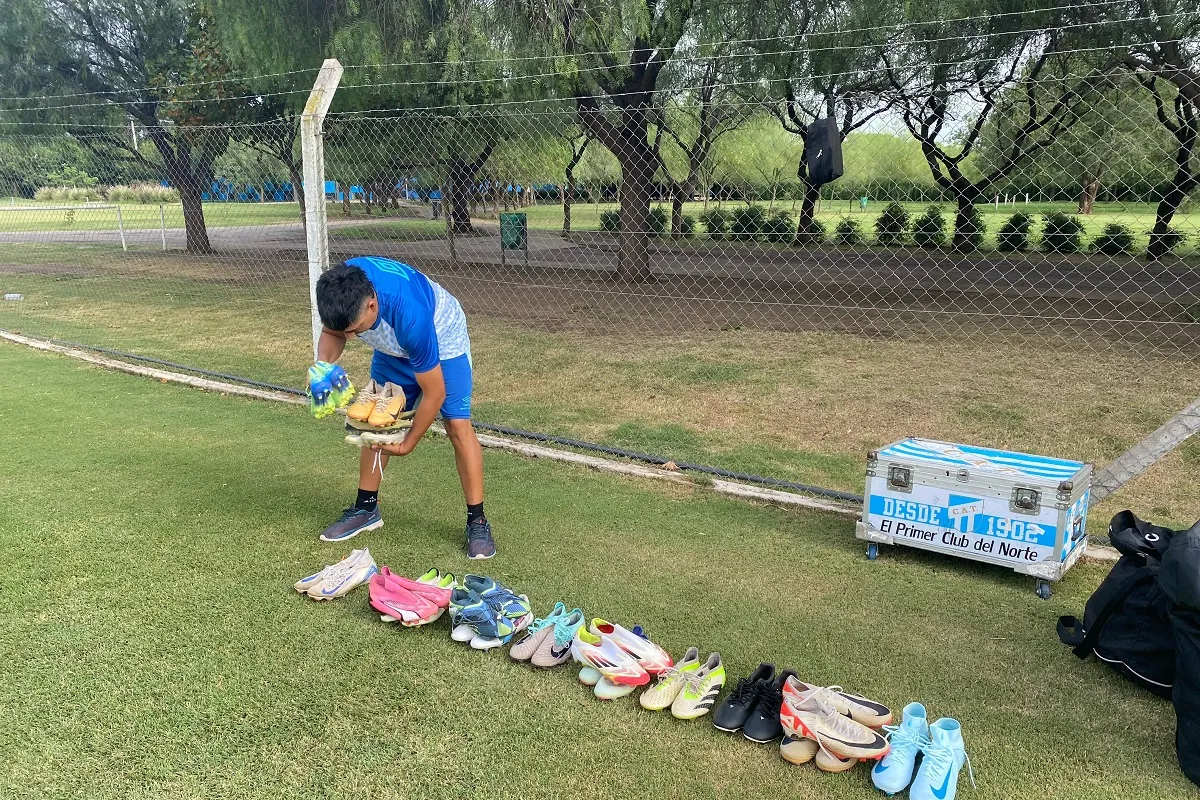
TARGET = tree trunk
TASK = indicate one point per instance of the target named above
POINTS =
(196, 231)
(297, 189)
(177, 163)
(1091, 188)
(808, 206)
(964, 222)
(633, 261)
(568, 198)
(458, 193)
(677, 200)
(1183, 184)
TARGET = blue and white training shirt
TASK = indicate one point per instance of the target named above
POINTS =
(418, 319)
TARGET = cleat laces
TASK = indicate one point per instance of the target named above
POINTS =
(744, 691)
(942, 759)
(562, 635)
(695, 682)
(843, 726)
(904, 740)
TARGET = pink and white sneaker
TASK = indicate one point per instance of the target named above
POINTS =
(397, 604)
(433, 586)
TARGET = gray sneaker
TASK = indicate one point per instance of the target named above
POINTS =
(351, 523)
(480, 544)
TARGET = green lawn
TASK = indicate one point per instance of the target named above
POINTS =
(1139, 218)
(392, 230)
(31, 217)
(157, 649)
(798, 406)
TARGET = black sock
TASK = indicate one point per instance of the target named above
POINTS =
(367, 500)
(475, 513)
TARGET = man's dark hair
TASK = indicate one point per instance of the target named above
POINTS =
(341, 293)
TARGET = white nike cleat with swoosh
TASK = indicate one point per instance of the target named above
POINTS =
(344, 578)
(806, 713)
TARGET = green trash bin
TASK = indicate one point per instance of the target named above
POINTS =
(514, 235)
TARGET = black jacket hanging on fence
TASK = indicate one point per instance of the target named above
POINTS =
(1144, 621)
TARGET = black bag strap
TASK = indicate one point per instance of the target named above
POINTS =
(1070, 629)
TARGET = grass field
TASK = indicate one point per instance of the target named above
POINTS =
(393, 230)
(53, 217)
(798, 406)
(158, 650)
(28, 216)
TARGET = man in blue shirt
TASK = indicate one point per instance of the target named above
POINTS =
(419, 334)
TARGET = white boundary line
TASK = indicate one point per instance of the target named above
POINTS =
(718, 485)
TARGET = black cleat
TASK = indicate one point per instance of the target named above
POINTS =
(762, 726)
(731, 715)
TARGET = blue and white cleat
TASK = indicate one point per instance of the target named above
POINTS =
(942, 760)
(895, 771)
(467, 611)
(507, 603)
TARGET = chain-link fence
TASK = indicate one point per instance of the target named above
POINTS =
(1011, 257)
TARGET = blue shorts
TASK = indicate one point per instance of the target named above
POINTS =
(456, 372)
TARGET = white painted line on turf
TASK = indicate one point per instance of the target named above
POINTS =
(1096, 552)
(150, 372)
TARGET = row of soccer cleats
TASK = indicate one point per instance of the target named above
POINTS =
(825, 725)
(836, 730)
(484, 612)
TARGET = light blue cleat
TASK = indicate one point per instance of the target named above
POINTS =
(942, 761)
(894, 771)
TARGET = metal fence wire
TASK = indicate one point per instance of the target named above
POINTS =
(1010, 255)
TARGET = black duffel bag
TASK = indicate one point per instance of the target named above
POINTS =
(1127, 620)
(1180, 580)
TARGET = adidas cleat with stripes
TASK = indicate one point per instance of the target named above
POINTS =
(700, 689)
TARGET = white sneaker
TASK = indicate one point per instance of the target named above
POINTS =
(345, 577)
(304, 584)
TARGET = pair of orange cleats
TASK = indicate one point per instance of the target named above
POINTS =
(378, 406)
